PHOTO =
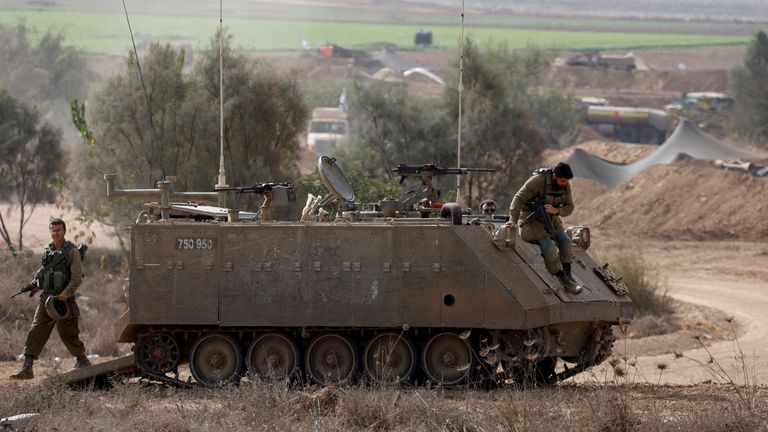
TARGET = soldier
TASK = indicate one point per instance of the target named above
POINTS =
(488, 207)
(59, 278)
(550, 184)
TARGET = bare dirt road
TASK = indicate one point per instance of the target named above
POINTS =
(728, 276)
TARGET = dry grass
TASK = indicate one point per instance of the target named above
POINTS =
(254, 406)
(654, 313)
(646, 287)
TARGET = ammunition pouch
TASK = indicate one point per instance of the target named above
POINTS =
(54, 282)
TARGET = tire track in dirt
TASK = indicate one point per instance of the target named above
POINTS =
(744, 360)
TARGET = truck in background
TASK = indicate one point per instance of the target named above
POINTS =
(714, 102)
(327, 129)
(593, 58)
(627, 124)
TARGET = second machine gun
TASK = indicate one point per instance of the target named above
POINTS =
(423, 188)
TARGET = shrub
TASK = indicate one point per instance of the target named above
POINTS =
(647, 289)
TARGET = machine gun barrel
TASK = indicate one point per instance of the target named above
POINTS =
(404, 170)
(259, 188)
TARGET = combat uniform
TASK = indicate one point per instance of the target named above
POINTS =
(63, 278)
(542, 185)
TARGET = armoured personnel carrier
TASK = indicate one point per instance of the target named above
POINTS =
(386, 296)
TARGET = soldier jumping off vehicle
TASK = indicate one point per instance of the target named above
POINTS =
(59, 278)
(551, 187)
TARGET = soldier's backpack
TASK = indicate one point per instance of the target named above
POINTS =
(82, 248)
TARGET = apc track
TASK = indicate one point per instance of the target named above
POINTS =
(345, 356)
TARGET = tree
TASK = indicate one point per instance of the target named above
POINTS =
(48, 71)
(390, 126)
(32, 162)
(497, 126)
(506, 122)
(750, 90)
(264, 116)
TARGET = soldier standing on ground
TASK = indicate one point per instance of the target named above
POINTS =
(59, 278)
(552, 185)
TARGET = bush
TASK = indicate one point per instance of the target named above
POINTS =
(647, 289)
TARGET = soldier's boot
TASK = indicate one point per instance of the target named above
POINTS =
(82, 361)
(568, 274)
(26, 370)
(570, 286)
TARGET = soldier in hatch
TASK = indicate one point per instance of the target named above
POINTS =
(59, 278)
(552, 186)
(488, 207)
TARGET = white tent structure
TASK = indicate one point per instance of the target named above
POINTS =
(687, 140)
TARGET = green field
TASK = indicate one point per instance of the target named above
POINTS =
(108, 33)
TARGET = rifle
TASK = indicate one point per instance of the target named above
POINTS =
(425, 173)
(432, 170)
(540, 214)
(30, 288)
(263, 188)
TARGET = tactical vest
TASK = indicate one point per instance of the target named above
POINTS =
(553, 194)
(55, 279)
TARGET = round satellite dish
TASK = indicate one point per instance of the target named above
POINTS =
(334, 179)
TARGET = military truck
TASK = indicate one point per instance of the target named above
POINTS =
(715, 102)
(627, 124)
(346, 295)
(593, 58)
(327, 130)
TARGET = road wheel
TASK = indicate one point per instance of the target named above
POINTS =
(273, 356)
(158, 353)
(447, 359)
(331, 359)
(649, 135)
(628, 134)
(390, 358)
(216, 360)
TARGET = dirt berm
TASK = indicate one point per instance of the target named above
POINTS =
(689, 199)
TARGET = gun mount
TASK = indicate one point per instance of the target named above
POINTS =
(422, 177)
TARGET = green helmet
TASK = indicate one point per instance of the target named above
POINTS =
(57, 309)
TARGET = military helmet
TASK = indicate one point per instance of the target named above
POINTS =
(57, 309)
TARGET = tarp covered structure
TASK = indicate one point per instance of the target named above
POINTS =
(686, 140)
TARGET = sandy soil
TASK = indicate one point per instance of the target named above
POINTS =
(728, 276)
(36, 235)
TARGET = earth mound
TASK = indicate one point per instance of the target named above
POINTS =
(690, 199)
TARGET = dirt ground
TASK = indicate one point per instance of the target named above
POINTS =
(36, 235)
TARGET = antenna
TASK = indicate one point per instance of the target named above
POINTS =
(461, 88)
(146, 95)
(222, 173)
